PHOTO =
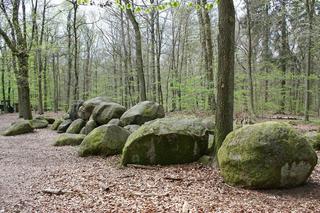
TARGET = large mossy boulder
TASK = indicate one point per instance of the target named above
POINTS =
(18, 128)
(67, 139)
(39, 123)
(90, 125)
(74, 108)
(166, 141)
(76, 126)
(266, 155)
(314, 139)
(56, 124)
(105, 112)
(105, 140)
(142, 112)
(64, 126)
(88, 106)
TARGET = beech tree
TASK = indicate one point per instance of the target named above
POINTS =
(225, 83)
(18, 44)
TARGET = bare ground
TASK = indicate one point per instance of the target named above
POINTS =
(31, 168)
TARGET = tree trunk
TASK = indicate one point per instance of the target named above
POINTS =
(2, 74)
(76, 53)
(15, 70)
(55, 84)
(45, 82)
(251, 96)
(159, 47)
(138, 48)
(283, 55)
(126, 63)
(225, 83)
(23, 86)
(310, 11)
(209, 52)
(266, 55)
(69, 59)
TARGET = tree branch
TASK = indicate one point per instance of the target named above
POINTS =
(7, 40)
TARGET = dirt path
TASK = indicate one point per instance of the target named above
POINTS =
(29, 164)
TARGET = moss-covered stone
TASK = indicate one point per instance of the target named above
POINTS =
(67, 139)
(56, 124)
(64, 125)
(105, 140)
(142, 112)
(76, 126)
(166, 141)
(18, 128)
(39, 123)
(314, 139)
(87, 107)
(105, 112)
(74, 108)
(266, 155)
(90, 125)
(206, 160)
(132, 128)
(209, 124)
(115, 121)
(47, 118)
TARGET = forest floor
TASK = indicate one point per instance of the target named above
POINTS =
(38, 177)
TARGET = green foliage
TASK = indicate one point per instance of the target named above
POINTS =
(163, 6)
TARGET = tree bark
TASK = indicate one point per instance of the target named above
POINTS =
(138, 48)
(283, 55)
(310, 12)
(76, 52)
(251, 89)
(153, 53)
(158, 50)
(69, 59)
(225, 83)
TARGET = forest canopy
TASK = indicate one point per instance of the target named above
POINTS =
(81, 49)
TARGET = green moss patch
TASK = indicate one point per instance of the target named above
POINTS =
(105, 140)
(166, 141)
(266, 155)
(18, 128)
(67, 139)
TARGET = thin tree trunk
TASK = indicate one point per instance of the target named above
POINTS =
(126, 63)
(2, 74)
(266, 50)
(76, 52)
(209, 52)
(283, 55)
(153, 53)
(138, 48)
(251, 96)
(69, 59)
(159, 47)
(55, 84)
(310, 11)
